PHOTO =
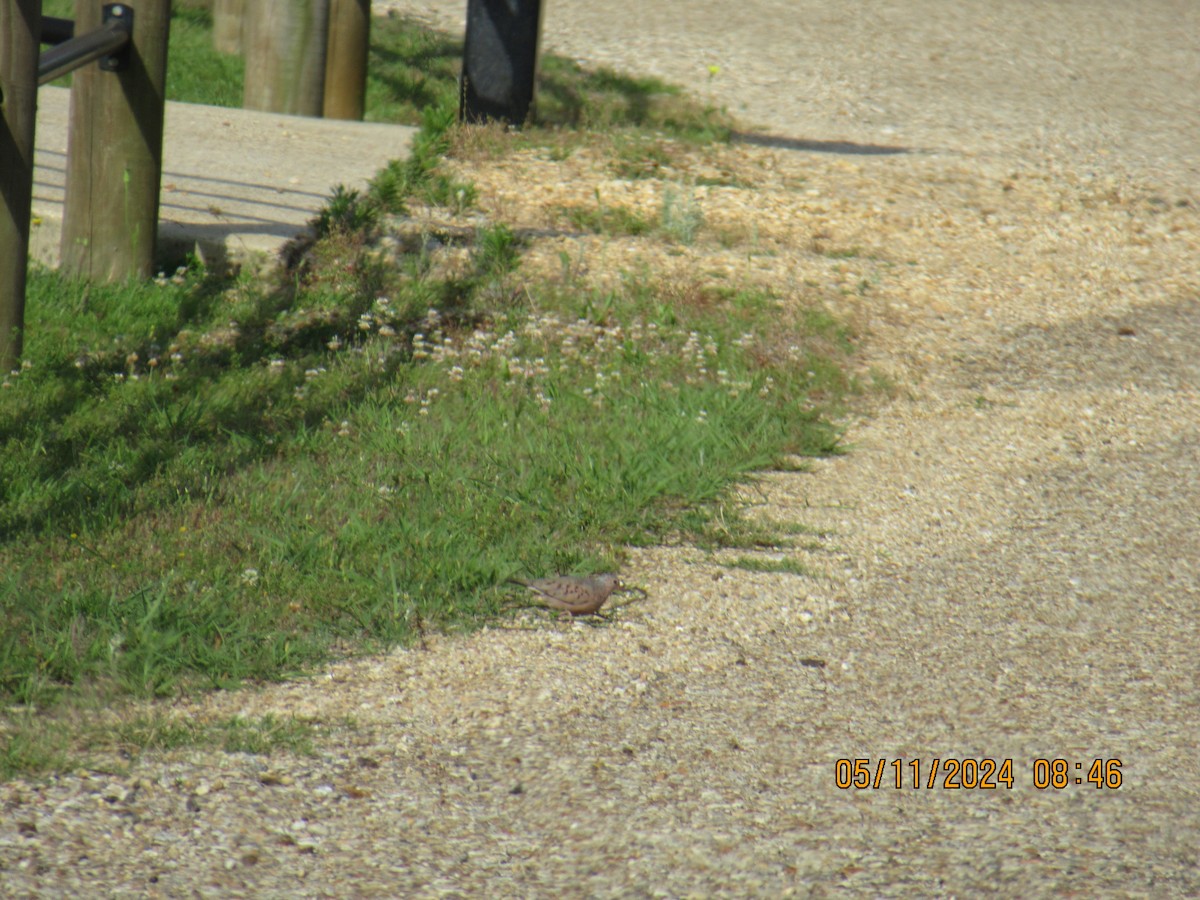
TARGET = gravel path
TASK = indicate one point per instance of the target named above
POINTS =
(1009, 566)
(1100, 83)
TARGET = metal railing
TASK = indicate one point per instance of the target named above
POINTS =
(109, 43)
(56, 30)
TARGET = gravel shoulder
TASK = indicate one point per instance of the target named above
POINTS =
(1008, 561)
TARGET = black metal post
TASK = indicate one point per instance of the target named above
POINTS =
(500, 56)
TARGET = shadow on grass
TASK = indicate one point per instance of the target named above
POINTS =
(413, 68)
(141, 393)
(410, 68)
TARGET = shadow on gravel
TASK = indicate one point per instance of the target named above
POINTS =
(1149, 348)
(844, 147)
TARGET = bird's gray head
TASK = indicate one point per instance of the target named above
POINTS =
(607, 582)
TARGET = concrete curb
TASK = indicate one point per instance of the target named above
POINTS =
(236, 184)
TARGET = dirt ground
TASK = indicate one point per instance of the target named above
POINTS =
(1008, 565)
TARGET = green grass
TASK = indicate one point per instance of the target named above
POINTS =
(410, 68)
(101, 739)
(207, 481)
(218, 482)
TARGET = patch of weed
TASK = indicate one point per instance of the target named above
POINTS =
(608, 220)
(681, 216)
(760, 564)
(266, 735)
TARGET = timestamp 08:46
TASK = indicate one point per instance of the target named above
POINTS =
(982, 774)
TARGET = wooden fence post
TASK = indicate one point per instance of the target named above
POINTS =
(346, 58)
(20, 30)
(114, 152)
(285, 43)
(228, 18)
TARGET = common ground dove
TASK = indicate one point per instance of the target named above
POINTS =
(577, 595)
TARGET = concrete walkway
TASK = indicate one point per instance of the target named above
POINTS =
(235, 182)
